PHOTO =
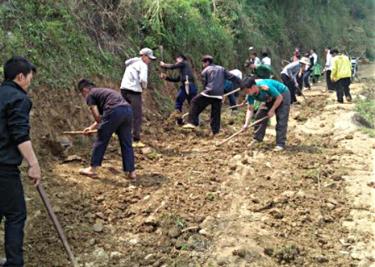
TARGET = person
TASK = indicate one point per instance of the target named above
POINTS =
(229, 87)
(313, 57)
(253, 61)
(328, 68)
(296, 55)
(266, 60)
(292, 74)
(213, 77)
(112, 114)
(15, 145)
(188, 89)
(133, 83)
(275, 98)
(340, 75)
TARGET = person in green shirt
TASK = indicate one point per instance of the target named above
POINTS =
(275, 98)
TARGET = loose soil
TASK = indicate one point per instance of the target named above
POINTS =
(196, 204)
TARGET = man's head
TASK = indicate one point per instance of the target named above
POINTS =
(207, 60)
(147, 55)
(312, 50)
(327, 49)
(253, 55)
(334, 52)
(84, 86)
(264, 54)
(249, 86)
(20, 71)
(180, 58)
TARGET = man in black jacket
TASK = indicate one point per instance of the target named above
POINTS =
(188, 89)
(213, 78)
(15, 145)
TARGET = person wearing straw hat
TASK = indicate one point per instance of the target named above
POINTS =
(290, 75)
(275, 98)
(133, 83)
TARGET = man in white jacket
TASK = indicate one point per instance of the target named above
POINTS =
(133, 83)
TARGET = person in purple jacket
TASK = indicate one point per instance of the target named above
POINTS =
(112, 114)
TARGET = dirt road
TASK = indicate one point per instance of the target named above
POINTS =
(198, 205)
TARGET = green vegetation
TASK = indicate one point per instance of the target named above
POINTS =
(75, 38)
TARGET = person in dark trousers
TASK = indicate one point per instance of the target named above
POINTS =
(340, 76)
(133, 83)
(275, 98)
(112, 114)
(213, 77)
(328, 69)
(15, 145)
(188, 89)
(228, 87)
(292, 75)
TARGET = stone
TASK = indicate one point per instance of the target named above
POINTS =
(277, 214)
(98, 227)
(174, 232)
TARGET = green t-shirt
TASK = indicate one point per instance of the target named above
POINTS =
(274, 89)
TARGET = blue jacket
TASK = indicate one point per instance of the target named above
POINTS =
(15, 107)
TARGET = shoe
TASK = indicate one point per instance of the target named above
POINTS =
(278, 148)
(87, 172)
(132, 175)
(138, 144)
(189, 126)
(2, 262)
(348, 99)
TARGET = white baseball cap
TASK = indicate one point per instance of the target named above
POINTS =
(237, 73)
(147, 52)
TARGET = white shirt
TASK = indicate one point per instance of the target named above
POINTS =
(328, 61)
(135, 76)
(266, 61)
(257, 61)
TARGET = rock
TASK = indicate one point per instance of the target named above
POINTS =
(101, 257)
(349, 137)
(321, 259)
(277, 214)
(92, 242)
(174, 232)
(301, 194)
(330, 206)
(240, 252)
(288, 194)
(115, 255)
(268, 251)
(361, 121)
(98, 227)
(146, 150)
(65, 142)
(204, 232)
(73, 158)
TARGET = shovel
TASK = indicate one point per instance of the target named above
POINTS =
(240, 131)
(56, 224)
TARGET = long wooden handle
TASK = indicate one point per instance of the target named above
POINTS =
(232, 92)
(80, 132)
(240, 131)
(56, 224)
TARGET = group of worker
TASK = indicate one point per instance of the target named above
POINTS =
(121, 113)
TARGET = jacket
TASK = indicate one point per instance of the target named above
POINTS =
(341, 68)
(213, 77)
(185, 70)
(135, 76)
(15, 108)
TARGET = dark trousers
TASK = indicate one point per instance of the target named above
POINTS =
(13, 209)
(182, 96)
(306, 79)
(342, 88)
(198, 104)
(231, 97)
(118, 121)
(282, 115)
(135, 100)
(329, 81)
(291, 86)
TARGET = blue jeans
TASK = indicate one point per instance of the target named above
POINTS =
(231, 97)
(119, 121)
(182, 96)
(13, 208)
(306, 77)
